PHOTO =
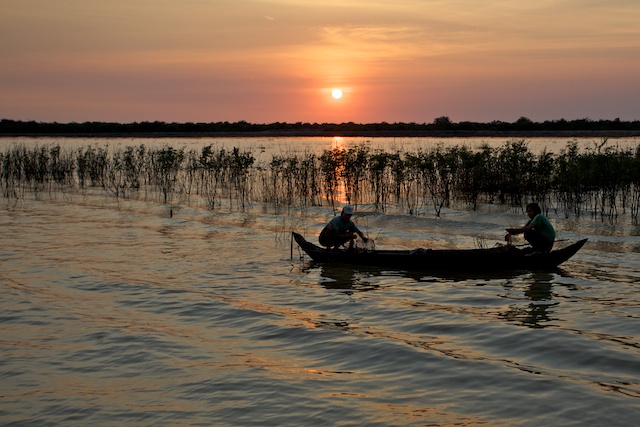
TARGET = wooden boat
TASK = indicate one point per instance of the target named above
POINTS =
(501, 258)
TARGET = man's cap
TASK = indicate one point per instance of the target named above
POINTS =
(347, 210)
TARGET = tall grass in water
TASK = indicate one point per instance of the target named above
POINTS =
(216, 175)
(291, 180)
(602, 180)
(36, 170)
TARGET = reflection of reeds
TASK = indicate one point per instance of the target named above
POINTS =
(603, 180)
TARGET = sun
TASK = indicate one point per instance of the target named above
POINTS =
(336, 94)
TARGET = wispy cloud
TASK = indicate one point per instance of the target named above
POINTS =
(457, 55)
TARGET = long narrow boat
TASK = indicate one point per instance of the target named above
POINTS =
(496, 259)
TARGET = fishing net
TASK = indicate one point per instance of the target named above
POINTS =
(362, 246)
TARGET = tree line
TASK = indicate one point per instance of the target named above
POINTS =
(441, 126)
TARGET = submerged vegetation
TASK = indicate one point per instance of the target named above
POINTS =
(602, 180)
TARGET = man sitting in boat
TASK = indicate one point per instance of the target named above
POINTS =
(340, 230)
(538, 231)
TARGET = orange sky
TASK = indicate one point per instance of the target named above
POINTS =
(278, 60)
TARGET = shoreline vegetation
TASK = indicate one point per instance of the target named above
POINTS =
(441, 127)
(601, 181)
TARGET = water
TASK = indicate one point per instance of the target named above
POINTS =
(131, 312)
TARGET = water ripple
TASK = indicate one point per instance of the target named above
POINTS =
(117, 314)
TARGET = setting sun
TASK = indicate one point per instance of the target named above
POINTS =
(336, 94)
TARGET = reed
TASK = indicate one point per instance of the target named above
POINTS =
(602, 180)
(477, 176)
(331, 166)
(378, 178)
(216, 175)
(634, 179)
(291, 180)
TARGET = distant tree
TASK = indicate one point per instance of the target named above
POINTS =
(524, 123)
(442, 122)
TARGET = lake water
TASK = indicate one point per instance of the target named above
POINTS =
(137, 313)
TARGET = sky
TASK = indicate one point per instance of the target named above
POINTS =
(266, 61)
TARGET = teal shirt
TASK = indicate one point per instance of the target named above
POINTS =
(341, 227)
(542, 225)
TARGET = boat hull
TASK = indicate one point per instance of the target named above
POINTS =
(487, 260)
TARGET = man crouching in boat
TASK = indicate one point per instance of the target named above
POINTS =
(340, 230)
(538, 231)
